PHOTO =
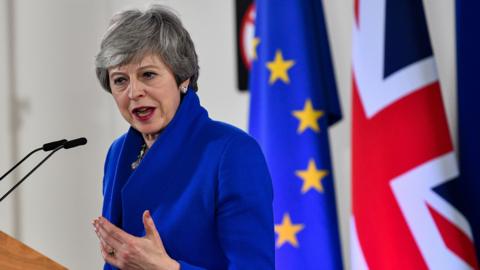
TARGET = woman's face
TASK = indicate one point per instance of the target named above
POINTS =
(146, 94)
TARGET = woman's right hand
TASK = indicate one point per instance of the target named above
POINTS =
(126, 251)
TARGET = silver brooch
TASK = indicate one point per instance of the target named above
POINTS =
(142, 153)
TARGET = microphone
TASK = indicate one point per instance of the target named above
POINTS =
(46, 147)
(75, 143)
(70, 144)
(52, 145)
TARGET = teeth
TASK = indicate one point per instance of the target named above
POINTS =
(143, 111)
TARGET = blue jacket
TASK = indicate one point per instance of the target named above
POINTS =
(206, 185)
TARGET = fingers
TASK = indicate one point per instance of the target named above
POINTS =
(102, 242)
(126, 251)
(109, 256)
(110, 234)
(151, 231)
(107, 251)
(110, 250)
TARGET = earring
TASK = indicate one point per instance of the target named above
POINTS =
(183, 89)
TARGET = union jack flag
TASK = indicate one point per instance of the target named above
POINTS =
(402, 150)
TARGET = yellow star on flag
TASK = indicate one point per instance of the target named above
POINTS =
(287, 232)
(279, 68)
(312, 177)
(255, 43)
(308, 117)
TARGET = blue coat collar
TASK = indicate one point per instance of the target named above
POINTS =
(132, 189)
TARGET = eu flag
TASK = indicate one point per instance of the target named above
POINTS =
(293, 102)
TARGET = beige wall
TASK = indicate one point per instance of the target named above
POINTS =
(53, 77)
(7, 206)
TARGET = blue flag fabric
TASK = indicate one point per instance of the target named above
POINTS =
(293, 102)
(468, 58)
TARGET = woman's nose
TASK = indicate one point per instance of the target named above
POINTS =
(136, 89)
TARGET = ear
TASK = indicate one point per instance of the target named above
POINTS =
(184, 86)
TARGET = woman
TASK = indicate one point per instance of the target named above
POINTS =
(181, 191)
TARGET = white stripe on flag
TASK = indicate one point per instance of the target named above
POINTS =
(413, 191)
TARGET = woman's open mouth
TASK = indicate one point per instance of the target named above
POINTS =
(143, 113)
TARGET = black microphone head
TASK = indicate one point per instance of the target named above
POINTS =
(52, 145)
(75, 143)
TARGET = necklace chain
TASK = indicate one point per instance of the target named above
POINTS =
(142, 153)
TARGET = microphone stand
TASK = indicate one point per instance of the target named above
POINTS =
(31, 171)
(46, 147)
(20, 162)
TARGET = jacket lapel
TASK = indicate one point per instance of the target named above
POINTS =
(156, 172)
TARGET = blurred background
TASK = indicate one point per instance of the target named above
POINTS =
(48, 91)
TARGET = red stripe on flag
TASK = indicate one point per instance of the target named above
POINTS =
(455, 239)
(409, 132)
(404, 135)
(356, 8)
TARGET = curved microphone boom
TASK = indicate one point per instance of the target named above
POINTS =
(46, 147)
(66, 145)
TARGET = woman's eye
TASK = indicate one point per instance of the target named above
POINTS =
(149, 75)
(119, 81)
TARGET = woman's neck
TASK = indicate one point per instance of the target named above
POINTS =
(149, 139)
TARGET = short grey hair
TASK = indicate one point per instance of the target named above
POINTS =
(132, 34)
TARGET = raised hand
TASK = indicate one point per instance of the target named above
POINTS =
(126, 251)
